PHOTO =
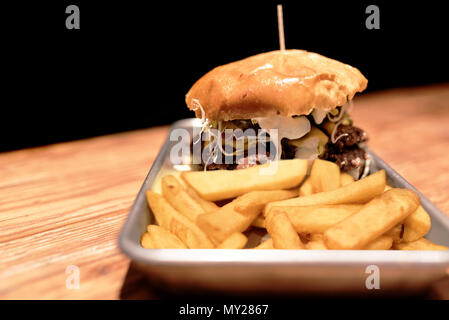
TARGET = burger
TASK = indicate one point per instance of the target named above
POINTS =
(302, 96)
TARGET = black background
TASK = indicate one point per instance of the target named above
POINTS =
(131, 63)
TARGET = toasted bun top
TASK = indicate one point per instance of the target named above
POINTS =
(287, 83)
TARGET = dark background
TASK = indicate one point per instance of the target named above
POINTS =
(131, 63)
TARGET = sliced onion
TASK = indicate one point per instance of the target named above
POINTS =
(288, 127)
(319, 115)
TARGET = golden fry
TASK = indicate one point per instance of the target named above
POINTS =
(345, 179)
(416, 225)
(169, 218)
(306, 189)
(146, 241)
(421, 244)
(157, 237)
(238, 215)
(225, 221)
(267, 244)
(256, 200)
(259, 222)
(226, 184)
(360, 191)
(234, 241)
(157, 184)
(395, 233)
(208, 206)
(282, 232)
(176, 195)
(374, 219)
(316, 242)
(324, 176)
(317, 219)
(382, 243)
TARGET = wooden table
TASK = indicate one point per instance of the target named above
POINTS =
(64, 204)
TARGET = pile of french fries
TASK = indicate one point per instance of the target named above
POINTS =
(324, 210)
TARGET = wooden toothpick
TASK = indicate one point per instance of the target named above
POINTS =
(281, 28)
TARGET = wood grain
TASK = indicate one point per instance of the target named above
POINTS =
(64, 204)
(409, 129)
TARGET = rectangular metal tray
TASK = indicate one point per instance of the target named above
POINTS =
(281, 271)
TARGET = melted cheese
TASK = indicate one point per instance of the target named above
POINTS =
(287, 127)
(290, 128)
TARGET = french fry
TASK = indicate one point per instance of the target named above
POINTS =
(157, 184)
(329, 211)
(258, 199)
(324, 176)
(316, 242)
(282, 232)
(234, 241)
(345, 179)
(259, 222)
(157, 237)
(416, 225)
(222, 223)
(360, 191)
(267, 244)
(316, 245)
(208, 206)
(421, 244)
(169, 218)
(306, 189)
(382, 243)
(146, 241)
(410, 234)
(317, 219)
(395, 233)
(374, 219)
(176, 195)
(225, 184)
